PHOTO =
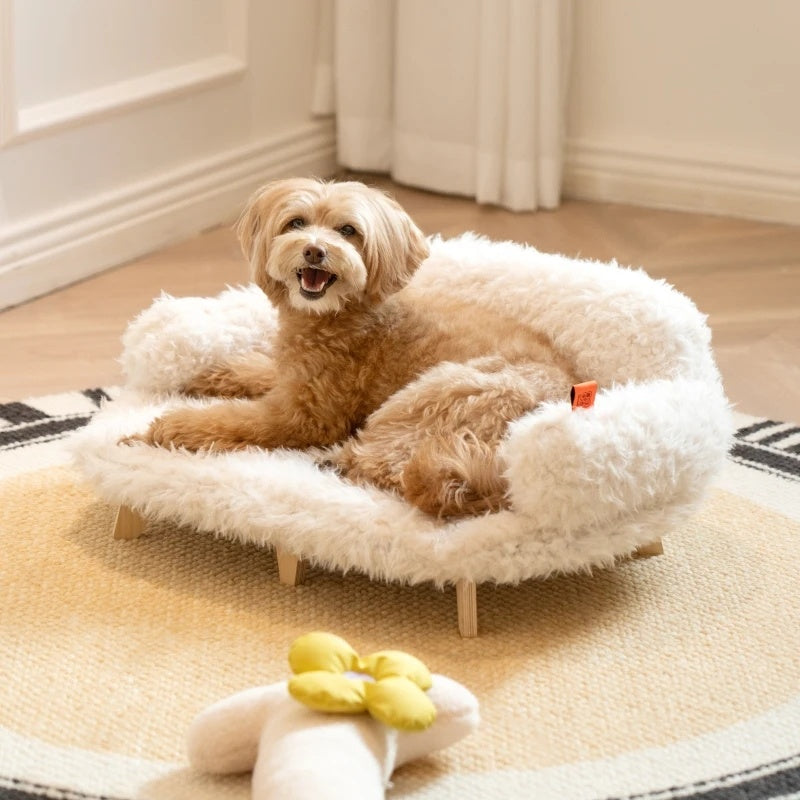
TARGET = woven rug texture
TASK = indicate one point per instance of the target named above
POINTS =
(676, 676)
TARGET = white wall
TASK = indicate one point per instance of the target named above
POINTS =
(689, 104)
(123, 131)
(128, 124)
(90, 43)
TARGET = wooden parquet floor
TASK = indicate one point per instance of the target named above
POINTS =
(744, 275)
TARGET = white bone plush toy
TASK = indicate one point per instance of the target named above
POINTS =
(338, 728)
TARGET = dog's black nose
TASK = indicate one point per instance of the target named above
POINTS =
(314, 254)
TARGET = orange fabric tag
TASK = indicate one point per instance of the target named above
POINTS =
(583, 394)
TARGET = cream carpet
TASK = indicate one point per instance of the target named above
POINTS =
(678, 676)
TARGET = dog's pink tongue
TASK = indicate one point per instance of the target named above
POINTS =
(314, 279)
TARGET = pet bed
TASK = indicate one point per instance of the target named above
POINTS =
(587, 486)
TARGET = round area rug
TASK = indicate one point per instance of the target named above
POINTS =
(678, 676)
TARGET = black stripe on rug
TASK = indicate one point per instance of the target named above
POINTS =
(48, 427)
(35, 442)
(743, 433)
(29, 426)
(774, 438)
(766, 782)
(19, 413)
(14, 789)
(764, 452)
(784, 464)
(97, 396)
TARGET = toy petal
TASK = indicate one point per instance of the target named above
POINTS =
(457, 715)
(394, 663)
(328, 691)
(399, 703)
(224, 738)
(321, 651)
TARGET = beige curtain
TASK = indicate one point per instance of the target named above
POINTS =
(459, 96)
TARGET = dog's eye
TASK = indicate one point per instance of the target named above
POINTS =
(347, 230)
(296, 224)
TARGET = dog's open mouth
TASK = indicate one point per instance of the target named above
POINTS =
(314, 282)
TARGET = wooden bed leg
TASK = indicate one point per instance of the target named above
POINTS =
(467, 602)
(129, 524)
(291, 570)
(655, 548)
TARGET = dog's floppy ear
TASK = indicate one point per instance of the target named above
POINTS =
(393, 249)
(247, 229)
(253, 226)
(255, 230)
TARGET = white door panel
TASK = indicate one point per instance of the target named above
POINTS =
(117, 40)
(126, 124)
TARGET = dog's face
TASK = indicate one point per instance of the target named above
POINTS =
(318, 247)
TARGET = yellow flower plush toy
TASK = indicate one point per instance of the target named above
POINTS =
(390, 685)
(356, 720)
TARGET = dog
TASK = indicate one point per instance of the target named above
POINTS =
(395, 390)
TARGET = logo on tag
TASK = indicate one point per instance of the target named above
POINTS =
(583, 394)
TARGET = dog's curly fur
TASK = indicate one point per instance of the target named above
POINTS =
(408, 395)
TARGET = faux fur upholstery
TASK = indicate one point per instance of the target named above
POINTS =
(587, 486)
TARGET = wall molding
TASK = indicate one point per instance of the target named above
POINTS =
(19, 124)
(661, 175)
(55, 249)
(82, 107)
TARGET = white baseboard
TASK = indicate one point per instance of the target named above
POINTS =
(69, 244)
(663, 176)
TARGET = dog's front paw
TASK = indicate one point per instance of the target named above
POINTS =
(177, 429)
(134, 438)
(181, 428)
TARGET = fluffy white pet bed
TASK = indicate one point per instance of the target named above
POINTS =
(587, 486)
